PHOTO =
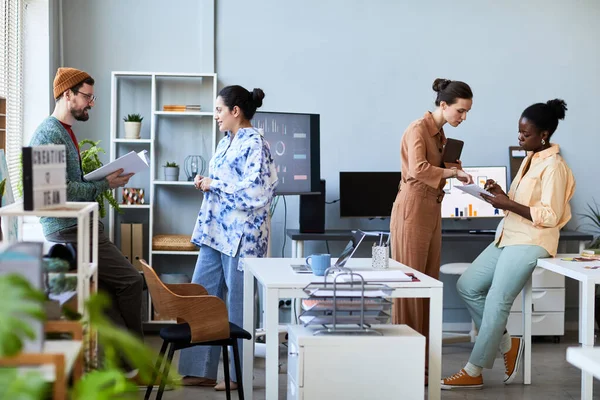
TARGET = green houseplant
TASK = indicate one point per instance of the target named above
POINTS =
(20, 299)
(171, 171)
(592, 218)
(133, 125)
(91, 162)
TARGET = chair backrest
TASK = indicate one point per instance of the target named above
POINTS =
(207, 315)
(161, 296)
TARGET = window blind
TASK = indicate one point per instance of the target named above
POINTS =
(11, 83)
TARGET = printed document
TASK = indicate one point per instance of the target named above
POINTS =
(132, 163)
(474, 190)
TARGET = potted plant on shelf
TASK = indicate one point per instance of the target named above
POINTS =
(171, 171)
(593, 223)
(133, 125)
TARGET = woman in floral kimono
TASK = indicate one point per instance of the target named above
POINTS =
(233, 222)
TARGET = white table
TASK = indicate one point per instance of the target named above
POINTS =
(279, 281)
(588, 279)
(586, 359)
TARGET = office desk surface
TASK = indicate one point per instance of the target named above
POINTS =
(278, 273)
(586, 359)
(346, 234)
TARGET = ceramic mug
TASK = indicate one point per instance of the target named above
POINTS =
(319, 263)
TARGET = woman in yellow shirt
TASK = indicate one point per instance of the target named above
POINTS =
(536, 208)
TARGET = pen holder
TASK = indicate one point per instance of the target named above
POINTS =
(381, 257)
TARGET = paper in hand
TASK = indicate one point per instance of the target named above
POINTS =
(474, 190)
(131, 163)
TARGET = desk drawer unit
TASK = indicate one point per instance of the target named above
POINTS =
(548, 306)
(542, 278)
(543, 300)
(356, 366)
(542, 324)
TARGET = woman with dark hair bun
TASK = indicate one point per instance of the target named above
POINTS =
(233, 223)
(416, 222)
(536, 208)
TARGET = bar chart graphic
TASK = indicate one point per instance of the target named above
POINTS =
(458, 204)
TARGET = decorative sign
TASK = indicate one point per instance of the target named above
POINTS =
(44, 177)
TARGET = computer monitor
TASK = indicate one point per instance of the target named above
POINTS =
(458, 204)
(368, 194)
(295, 146)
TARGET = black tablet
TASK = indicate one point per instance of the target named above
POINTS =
(452, 150)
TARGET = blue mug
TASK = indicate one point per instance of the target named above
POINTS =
(320, 262)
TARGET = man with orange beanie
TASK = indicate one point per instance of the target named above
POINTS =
(74, 94)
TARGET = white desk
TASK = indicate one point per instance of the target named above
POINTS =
(278, 280)
(586, 359)
(588, 279)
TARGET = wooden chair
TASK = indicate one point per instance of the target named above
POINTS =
(66, 356)
(202, 320)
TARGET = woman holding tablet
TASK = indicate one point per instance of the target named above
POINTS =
(536, 208)
(415, 223)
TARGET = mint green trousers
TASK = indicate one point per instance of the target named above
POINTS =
(489, 288)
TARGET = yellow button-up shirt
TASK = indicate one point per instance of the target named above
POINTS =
(546, 189)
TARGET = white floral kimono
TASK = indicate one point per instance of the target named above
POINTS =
(235, 211)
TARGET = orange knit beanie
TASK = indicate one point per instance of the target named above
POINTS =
(66, 78)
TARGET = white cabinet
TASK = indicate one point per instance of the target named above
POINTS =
(356, 366)
(548, 306)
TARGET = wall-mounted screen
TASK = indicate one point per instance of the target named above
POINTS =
(458, 204)
(368, 194)
(294, 141)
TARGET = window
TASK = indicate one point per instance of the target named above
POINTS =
(11, 83)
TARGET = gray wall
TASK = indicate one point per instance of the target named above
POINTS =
(367, 68)
(134, 35)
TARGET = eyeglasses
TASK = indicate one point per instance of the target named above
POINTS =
(89, 97)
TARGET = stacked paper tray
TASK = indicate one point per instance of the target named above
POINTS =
(354, 304)
(343, 317)
(342, 304)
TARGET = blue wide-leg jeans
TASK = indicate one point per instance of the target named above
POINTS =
(216, 272)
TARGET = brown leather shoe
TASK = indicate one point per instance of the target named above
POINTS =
(462, 380)
(512, 359)
(221, 386)
(197, 381)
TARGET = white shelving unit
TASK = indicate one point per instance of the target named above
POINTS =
(171, 206)
(86, 213)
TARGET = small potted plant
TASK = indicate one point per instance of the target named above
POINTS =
(133, 125)
(171, 171)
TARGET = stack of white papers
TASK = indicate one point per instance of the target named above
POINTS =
(379, 276)
(474, 190)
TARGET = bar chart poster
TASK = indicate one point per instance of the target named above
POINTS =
(458, 204)
(288, 136)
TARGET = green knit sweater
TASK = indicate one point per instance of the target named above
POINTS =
(51, 131)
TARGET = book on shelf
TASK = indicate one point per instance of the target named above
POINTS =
(182, 107)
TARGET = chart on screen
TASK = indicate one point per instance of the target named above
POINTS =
(458, 204)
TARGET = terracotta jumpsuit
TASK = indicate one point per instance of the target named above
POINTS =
(416, 215)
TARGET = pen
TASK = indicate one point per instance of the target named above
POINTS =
(380, 239)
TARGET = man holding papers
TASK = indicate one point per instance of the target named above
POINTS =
(74, 94)
(536, 208)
